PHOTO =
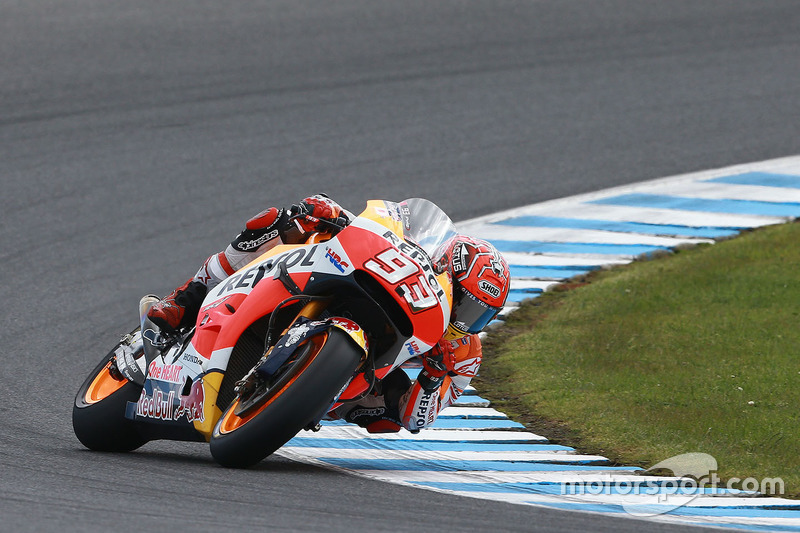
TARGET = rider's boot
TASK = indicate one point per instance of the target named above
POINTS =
(179, 308)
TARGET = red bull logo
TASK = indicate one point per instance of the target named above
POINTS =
(192, 404)
(159, 406)
(162, 405)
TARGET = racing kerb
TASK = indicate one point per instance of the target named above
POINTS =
(476, 451)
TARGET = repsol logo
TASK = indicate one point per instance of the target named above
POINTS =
(301, 257)
(426, 409)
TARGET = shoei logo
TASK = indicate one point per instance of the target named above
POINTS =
(489, 288)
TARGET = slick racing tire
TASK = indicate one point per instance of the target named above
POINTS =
(98, 416)
(252, 428)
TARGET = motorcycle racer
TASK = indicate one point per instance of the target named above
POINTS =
(480, 279)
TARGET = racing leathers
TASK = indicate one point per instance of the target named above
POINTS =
(400, 403)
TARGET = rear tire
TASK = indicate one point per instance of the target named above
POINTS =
(305, 390)
(98, 416)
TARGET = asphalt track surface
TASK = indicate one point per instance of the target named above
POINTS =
(135, 138)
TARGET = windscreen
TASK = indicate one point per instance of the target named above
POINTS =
(426, 224)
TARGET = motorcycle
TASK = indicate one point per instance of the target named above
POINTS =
(279, 344)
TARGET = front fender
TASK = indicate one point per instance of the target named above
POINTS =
(353, 330)
(304, 329)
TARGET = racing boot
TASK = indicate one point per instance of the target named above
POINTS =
(179, 308)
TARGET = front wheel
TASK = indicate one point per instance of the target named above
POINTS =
(257, 424)
(98, 416)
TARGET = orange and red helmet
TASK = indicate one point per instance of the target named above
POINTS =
(481, 280)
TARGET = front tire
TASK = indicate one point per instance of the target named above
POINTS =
(98, 416)
(250, 430)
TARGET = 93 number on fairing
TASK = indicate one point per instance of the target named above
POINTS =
(394, 267)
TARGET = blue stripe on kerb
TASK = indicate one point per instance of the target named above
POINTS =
(739, 207)
(422, 445)
(518, 296)
(447, 465)
(764, 179)
(412, 373)
(525, 271)
(543, 247)
(475, 415)
(458, 423)
(515, 296)
(709, 232)
(471, 398)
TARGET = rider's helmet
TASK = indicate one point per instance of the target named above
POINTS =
(481, 281)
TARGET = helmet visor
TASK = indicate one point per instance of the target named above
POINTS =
(470, 315)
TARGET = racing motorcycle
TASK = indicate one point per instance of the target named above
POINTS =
(280, 343)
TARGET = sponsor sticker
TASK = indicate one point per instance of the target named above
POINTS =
(246, 246)
(168, 405)
(192, 405)
(459, 258)
(335, 260)
(296, 333)
(489, 288)
(169, 373)
(159, 406)
(413, 348)
(299, 259)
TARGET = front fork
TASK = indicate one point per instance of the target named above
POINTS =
(304, 326)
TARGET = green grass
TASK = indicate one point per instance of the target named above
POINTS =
(662, 357)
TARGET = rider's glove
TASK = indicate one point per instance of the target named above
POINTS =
(436, 363)
(315, 210)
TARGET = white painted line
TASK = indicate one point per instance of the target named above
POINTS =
(566, 235)
(521, 283)
(559, 456)
(482, 476)
(465, 401)
(523, 259)
(355, 432)
(722, 191)
(643, 215)
(472, 412)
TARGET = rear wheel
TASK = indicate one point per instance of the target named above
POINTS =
(263, 419)
(98, 416)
